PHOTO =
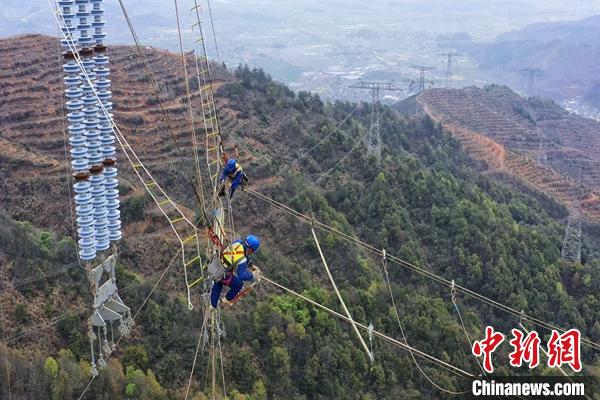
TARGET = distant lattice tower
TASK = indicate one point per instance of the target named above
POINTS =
(451, 55)
(571, 248)
(374, 141)
(531, 75)
(542, 154)
(422, 70)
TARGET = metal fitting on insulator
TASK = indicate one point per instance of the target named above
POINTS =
(80, 176)
(96, 169)
(100, 48)
(68, 55)
(86, 52)
(109, 162)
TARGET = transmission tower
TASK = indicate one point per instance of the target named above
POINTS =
(374, 143)
(449, 57)
(422, 69)
(571, 247)
(531, 75)
(542, 154)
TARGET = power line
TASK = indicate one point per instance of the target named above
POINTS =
(212, 24)
(134, 316)
(154, 84)
(337, 292)
(449, 367)
(185, 231)
(190, 107)
(405, 264)
(76, 311)
(397, 315)
(8, 384)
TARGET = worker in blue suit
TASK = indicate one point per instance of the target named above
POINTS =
(238, 268)
(236, 175)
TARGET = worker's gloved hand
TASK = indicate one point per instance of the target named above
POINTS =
(256, 273)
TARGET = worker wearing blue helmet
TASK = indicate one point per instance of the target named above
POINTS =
(236, 175)
(237, 267)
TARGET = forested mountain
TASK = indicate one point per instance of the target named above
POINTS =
(425, 202)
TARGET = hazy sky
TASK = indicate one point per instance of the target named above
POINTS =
(293, 37)
(478, 17)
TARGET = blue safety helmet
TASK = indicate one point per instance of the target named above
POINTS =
(253, 242)
(231, 163)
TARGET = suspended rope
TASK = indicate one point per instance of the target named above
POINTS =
(215, 153)
(213, 370)
(414, 268)
(449, 367)
(199, 195)
(212, 24)
(7, 365)
(326, 173)
(562, 371)
(336, 128)
(77, 309)
(200, 336)
(209, 336)
(337, 292)
(135, 315)
(189, 101)
(462, 323)
(185, 231)
(219, 333)
(231, 220)
(397, 315)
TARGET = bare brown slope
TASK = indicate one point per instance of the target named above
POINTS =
(31, 123)
(34, 171)
(502, 129)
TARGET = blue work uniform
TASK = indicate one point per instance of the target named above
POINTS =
(236, 174)
(234, 257)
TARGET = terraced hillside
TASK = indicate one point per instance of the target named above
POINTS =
(34, 167)
(31, 137)
(533, 139)
(425, 203)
